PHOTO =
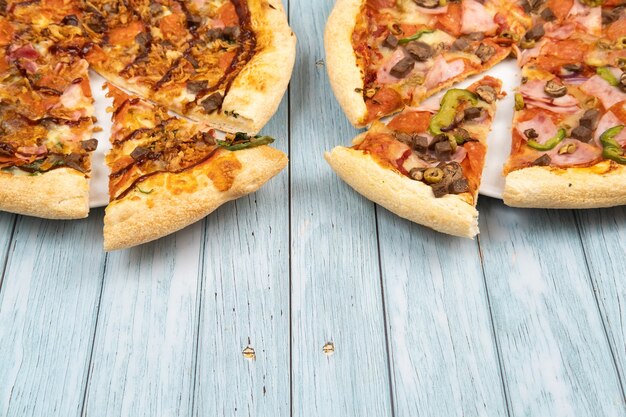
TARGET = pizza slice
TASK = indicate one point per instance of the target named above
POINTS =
(383, 55)
(426, 164)
(167, 173)
(46, 123)
(223, 62)
(568, 140)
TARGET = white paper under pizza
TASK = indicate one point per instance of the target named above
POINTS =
(499, 141)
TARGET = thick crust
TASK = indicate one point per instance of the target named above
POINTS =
(410, 199)
(603, 185)
(257, 91)
(178, 200)
(58, 194)
(343, 69)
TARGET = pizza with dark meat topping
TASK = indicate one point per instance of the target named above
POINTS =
(225, 62)
(167, 172)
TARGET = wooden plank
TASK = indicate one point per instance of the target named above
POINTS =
(555, 353)
(245, 300)
(336, 293)
(603, 239)
(7, 225)
(444, 361)
(48, 308)
(144, 349)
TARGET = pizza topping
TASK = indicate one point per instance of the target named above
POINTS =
(402, 68)
(548, 15)
(89, 145)
(391, 41)
(485, 52)
(443, 71)
(535, 33)
(568, 148)
(555, 89)
(476, 18)
(598, 87)
(487, 93)
(540, 128)
(609, 120)
(212, 102)
(608, 74)
(611, 149)
(415, 36)
(574, 153)
(433, 175)
(590, 119)
(550, 143)
(420, 51)
(471, 113)
(241, 141)
(535, 95)
(449, 105)
(543, 161)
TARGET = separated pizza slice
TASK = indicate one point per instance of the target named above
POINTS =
(223, 62)
(383, 55)
(568, 140)
(426, 164)
(167, 173)
(46, 124)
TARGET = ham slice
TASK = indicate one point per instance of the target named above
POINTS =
(608, 121)
(476, 18)
(443, 71)
(431, 105)
(583, 155)
(32, 150)
(542, 124)
(459, 155)
(383, 75)
(559, 32)
(535, 96)
(606, 93)
(590, 18)
(523, 56)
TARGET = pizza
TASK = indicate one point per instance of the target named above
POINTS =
(46, 118)
(383, 55)
(426, 163)
(223, 62)
(568, 133)
(167, 172)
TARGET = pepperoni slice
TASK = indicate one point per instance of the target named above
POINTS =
(173, 27)
(228, 14)
(383, 103)
(226, 59)
(616, 29)
(125, 35)
(560, 8)
(555, 54)
(451, 20)
(473, 164)
(381, 4)
(411, 122)
(6, 32)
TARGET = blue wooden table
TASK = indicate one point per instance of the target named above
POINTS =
(230, 316)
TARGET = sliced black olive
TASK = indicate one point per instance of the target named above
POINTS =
(548, 15)
(429, 4)
(420, 144)
(535, 33)
(417, 174)
(391, 42)
(420, 51)
(6, 149)
(461, 136)
(590, 119)
(403, 68)
(443, 151)
(555, 89)
(531, 134)
(461, 44)
(622, 81)
(212, 102)
(569, 69)
(485, 52)
(89, 145)
(471, 113)
(487, 93)
(542, 161)
(459, 186)
(195, 86)
(582, 134)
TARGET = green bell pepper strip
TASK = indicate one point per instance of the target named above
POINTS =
(415, 37)
(251, 143)
(550, 144)
(449, 105)
(610, 148)
(607, 76)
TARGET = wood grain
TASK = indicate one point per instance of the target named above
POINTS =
(144, 349)
(443, 358)
(603, 234)
(336, 294)
(555, 353)
(245, 300)
(48, 310)
(7, 225)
